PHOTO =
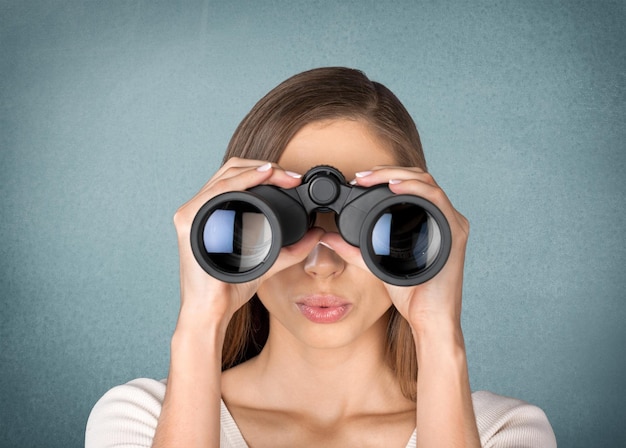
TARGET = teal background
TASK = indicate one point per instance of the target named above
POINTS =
(113, 113)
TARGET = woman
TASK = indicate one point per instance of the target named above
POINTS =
(325, 353)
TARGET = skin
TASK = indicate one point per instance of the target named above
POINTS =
(321, 384)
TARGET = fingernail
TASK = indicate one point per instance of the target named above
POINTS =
(394, 181)
(294, 175)
(363, 173)
(353, 182)
(265, 167)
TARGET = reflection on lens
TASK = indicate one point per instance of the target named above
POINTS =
(237, 237)
(405, 240)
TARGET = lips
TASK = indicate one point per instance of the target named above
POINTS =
(324, 309)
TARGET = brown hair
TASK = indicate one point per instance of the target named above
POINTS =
(314, 95)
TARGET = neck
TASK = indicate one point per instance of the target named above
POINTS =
(340, 380)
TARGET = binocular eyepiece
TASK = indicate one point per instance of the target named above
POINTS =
(404, 239)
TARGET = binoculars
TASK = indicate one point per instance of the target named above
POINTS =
(404, 239)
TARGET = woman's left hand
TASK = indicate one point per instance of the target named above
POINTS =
(444, 411)
(437, 301)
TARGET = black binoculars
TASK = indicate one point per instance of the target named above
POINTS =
(404, 239)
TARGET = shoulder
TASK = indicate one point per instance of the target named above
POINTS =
(508, 422)
(126, 415)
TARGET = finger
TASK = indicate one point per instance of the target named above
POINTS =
(383, 175)
(227, 169)
(233, 169)
(435, 195)
(295, 253)
(282, 178)
(345, 250)
(233, 166)
(244, 179)
(413, 181)
(241, 178)
(419, 187)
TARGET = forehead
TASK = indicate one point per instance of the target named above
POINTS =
(346, 144)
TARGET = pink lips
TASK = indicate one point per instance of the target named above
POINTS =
(323, 309)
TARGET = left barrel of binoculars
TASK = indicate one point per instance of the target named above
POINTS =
(237, 236)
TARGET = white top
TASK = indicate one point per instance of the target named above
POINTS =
(127, 416)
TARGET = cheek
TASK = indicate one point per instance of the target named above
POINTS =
(380, 296)
(279, 285)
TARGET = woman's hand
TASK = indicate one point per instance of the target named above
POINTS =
(437, 301)
(190, 415)
(204, 299)
(445, 416)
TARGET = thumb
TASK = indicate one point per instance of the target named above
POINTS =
(297, 252)
(345, 250)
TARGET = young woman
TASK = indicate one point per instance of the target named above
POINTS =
(318, 351)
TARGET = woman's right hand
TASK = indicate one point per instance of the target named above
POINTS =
(190, 415)
(206, 301)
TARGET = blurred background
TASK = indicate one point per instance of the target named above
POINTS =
(113, 114)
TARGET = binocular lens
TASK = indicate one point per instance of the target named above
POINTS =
(237, 237)
(405, 240)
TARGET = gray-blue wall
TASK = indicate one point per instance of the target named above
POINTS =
(113, 113)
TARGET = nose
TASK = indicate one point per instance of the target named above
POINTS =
(323, 262)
